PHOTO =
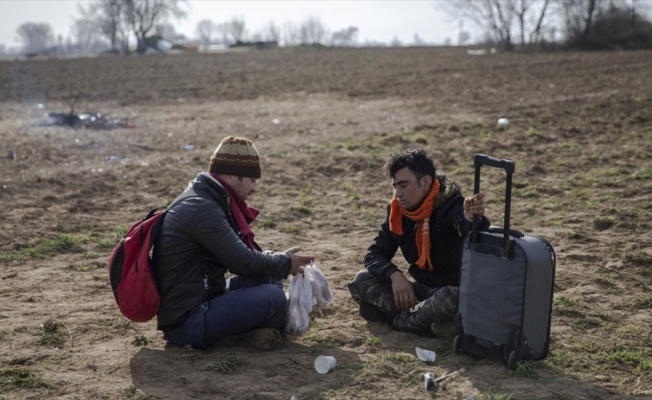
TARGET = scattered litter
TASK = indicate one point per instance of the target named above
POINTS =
(276, 121)
(438, 381)
(86, 120)
(424, 355)
(188, 147)
(503, 122)
(480, 52)
(428, 380)
(325, 364)
(432, 382)
(141, 146)
(113, 158)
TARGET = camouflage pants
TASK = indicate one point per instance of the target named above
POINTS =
(434, 304)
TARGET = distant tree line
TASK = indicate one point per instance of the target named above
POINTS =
(104, 25)
(311, 31)
(111, 25)
(574, 24)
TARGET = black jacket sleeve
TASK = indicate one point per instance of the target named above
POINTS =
(378, 260)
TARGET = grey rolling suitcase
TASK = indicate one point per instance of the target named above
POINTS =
(506, 288)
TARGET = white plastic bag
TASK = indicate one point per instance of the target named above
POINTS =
(308, 292)
(300, 305)
(321, 293)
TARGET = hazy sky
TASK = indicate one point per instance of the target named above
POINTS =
(376, 20)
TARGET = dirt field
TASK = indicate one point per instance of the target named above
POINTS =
(580, 133)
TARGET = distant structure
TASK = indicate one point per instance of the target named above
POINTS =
(257, 45)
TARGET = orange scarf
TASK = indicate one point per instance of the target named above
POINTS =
(422, 214)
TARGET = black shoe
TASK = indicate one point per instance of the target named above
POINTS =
(262, 339)
(443, 329)
(372, 314)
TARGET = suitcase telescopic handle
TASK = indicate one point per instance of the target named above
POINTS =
(508, 165)
(481, 159)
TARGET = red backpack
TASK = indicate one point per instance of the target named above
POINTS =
(132, 272)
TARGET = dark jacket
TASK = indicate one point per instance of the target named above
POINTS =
(197, 244)
(448, 227)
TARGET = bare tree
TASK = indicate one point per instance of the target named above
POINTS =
(418, 41)
(496, 16)
(85, 37)
(271, 32)
(639, 8)
(291, 34)
(578, 17)
(520, 8)
(535, 34)
(144, 15)
(168, 32)
(35, 36)
(606, 24)
(345, 37)
(462, 36)
(223, 32)
(59, 44)
(205, 31)
(527, 13)
(235, 29)
(312, 31)
(105, 17)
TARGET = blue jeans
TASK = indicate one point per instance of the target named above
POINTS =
(248, 303)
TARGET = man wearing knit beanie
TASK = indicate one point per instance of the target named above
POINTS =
(204, 236)
(235, 156)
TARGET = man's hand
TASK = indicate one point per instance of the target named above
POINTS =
(298, 261)
(404, 297)
(474, 205)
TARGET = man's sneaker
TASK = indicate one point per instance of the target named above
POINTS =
(372, 314)
(443, 329)
(262, 339)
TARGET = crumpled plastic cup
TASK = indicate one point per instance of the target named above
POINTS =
(325, 364)
(424, 355)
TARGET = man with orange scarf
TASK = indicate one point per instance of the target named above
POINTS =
(427, 219)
